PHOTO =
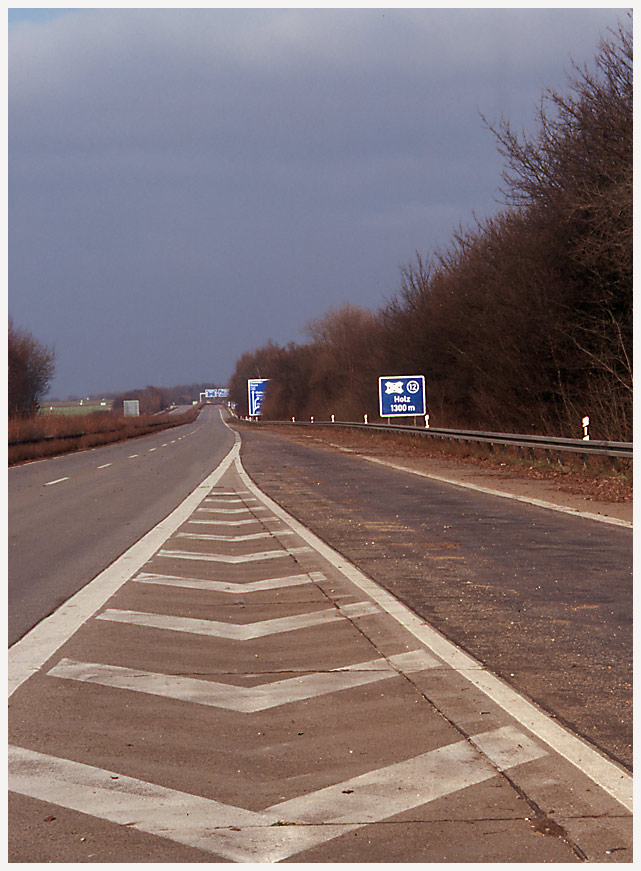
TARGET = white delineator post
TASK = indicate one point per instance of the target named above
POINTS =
(586, 425)
(365, 418)
(427, 421)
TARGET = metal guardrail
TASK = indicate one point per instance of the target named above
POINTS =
(519, 440)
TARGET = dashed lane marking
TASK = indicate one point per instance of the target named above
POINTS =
(245, 700)
(57, 481)
(260, 836)
(229, 586)
(28, 655)
(239, 631)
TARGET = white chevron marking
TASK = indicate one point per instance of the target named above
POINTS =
(253, 536)
(255, 836)
(233, 510)
(246, 700)
(239, 631)
(228, 492)
(229, 500)
(228, 558)
(228, 586)
(230, 522)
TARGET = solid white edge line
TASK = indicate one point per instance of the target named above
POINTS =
(530, 500)
(28, 654)
(612, 778)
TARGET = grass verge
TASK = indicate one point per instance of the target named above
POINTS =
(38, 437)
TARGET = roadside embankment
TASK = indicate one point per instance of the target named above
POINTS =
(38, 437)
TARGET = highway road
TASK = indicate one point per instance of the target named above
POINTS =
(541, 597)
(71, 516)
(244, 683)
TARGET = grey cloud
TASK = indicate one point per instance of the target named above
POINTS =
(185, 184)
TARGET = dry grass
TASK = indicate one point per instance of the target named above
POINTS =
(52, 435)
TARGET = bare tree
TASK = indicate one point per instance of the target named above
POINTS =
(31, 368)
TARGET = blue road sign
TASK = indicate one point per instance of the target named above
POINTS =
(211, 393)
(401, 395)
(256, 389)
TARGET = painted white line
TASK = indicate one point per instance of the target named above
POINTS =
(132, 456)
(607, 774)
(152, 449)
(253, 536)
(530, 500)
(230, 522)
(222, 500)
(27, 655)
(57, 481)
(229, 586)
(226, 558)
(260, 836)
(105, 466)
(232, 510)
(244, 700)
(229, 492)
(239, 631)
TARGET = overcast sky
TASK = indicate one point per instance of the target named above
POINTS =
(185, 185)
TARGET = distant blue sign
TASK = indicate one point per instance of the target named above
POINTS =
(256, 389)
(223, 392)
(211, 394)
(401, 395)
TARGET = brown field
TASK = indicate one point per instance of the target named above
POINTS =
(50, 435)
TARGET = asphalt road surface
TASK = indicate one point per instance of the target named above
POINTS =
(542, 598)
(71, 516)
(230, 687)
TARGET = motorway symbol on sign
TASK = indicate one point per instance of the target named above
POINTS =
(401, 395)
(256, 388)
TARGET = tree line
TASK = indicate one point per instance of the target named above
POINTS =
(31, 367)
(524, 323)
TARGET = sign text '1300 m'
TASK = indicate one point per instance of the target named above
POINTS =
(401, 395)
